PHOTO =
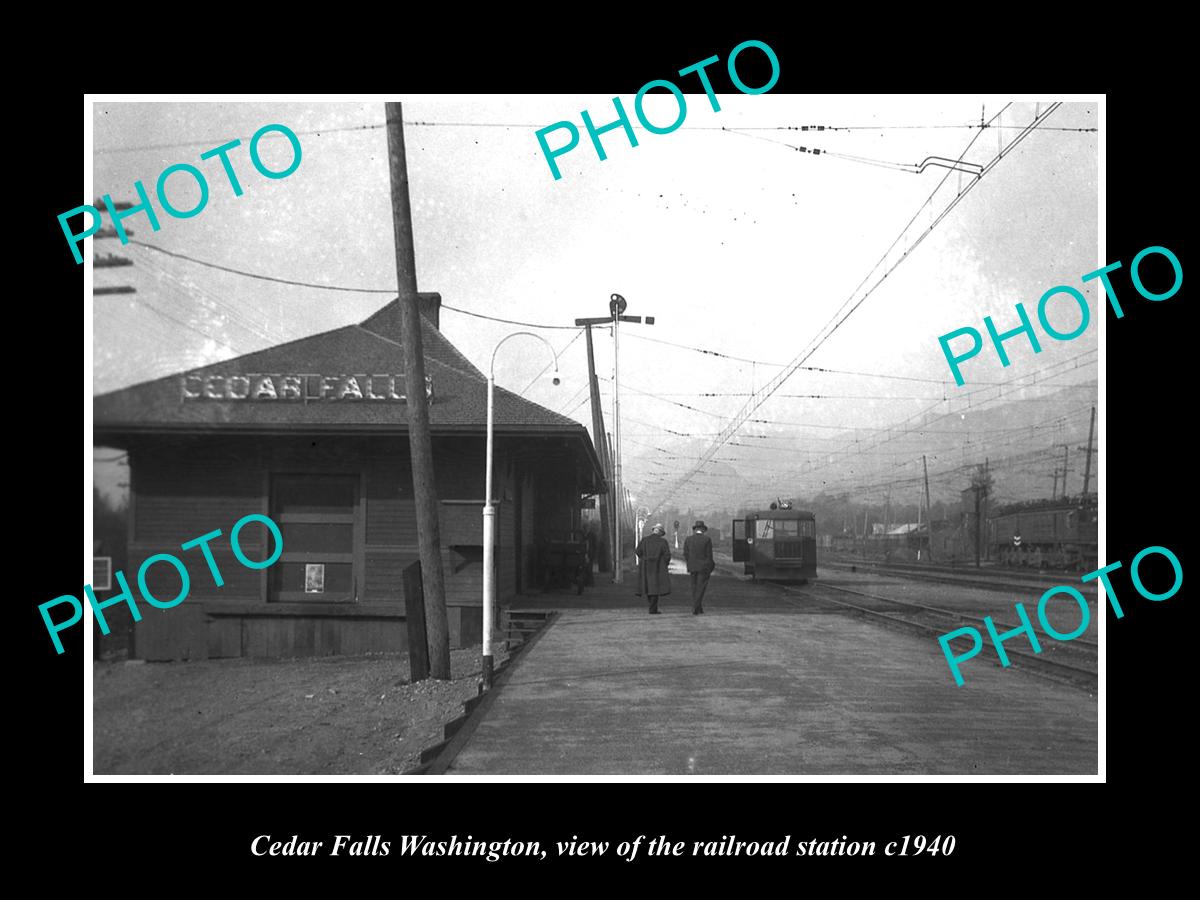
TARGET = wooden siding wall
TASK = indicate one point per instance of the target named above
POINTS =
(529, 546)
(180, 496)
(181, 489)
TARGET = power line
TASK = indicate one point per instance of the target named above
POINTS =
(375, 126)
(821, 369)
(557, 355)
(799, 396)
(921, 431)
(665, 400)
(229, 312)
(138, 298)
(816, 151)
(831, 327)
(333, 287)
(757, 362)
(904, 426)
(859, 448)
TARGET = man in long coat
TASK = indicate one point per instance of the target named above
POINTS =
(697, 551)
(654, 560)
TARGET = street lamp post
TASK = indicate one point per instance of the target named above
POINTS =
(489, 511)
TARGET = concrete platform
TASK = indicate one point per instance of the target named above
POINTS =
(759, 686)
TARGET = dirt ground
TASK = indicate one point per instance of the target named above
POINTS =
(317, 716)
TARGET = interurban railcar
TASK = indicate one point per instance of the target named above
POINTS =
(777, 544)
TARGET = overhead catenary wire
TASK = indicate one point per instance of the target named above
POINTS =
(794, 396)
(882, 435)
(839, 317)
(822, 369)
(903, 428)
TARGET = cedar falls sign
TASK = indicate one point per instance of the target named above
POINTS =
(300, 387)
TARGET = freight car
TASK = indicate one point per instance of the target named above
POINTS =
(1046, 534)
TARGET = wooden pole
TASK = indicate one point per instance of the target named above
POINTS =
(429, 539)
(987, 545)
(601, 451)
(978, 490)
(928, 508)
(616, 547)
(920, 504)
(618, 572)
(1087, 465)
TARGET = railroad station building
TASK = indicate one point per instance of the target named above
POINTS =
(313, 434)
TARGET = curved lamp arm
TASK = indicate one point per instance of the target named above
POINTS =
(521, 334)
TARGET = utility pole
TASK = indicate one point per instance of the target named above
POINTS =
(601, 451)
(1087, 465)
(616, 308)
(1066, 450)
(111, 261)
(616, 520)
(928, 508)
(987, 545)
(419, 440)
(978, 490)
(920, 503)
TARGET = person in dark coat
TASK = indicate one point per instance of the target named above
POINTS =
(654, 560)
(697, 551)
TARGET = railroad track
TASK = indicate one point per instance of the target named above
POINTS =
(1024, 587)
(933, 621)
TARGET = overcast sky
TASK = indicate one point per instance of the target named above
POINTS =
(733, 241)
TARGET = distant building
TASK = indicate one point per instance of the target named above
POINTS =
(313, 433)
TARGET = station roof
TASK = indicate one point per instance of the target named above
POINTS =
(369, 351)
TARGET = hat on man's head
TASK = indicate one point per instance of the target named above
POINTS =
(658, 529)
(699, 526)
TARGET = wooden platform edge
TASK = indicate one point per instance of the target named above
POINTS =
(479, 706)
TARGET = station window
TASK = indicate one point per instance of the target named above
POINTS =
(784, 529)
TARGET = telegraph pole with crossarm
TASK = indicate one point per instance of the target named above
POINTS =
(616, 307)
